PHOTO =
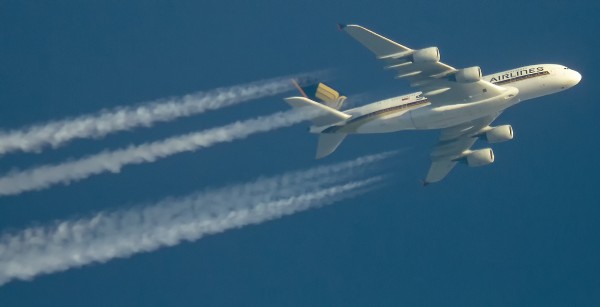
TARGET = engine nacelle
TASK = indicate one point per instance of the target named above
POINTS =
(468, 75)
(431, 54)
(499, 134)
(480, 157)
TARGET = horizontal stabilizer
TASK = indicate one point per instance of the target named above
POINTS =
(326, 115)
(328, 142)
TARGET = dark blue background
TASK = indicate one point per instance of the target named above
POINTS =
(521, 232)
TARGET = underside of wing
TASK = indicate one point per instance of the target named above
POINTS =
(445, 86)
(442, 91)
(441, 83)
(438, 170)
(454, 146)
(413, 65)
(382, 47)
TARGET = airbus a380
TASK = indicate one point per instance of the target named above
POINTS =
(460, 102)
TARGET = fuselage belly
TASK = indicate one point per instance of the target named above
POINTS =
(521, 84)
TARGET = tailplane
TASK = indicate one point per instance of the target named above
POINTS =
(325, 115)
(326, 107)
(328, 142)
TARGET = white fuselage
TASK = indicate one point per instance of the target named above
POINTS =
(413, 111)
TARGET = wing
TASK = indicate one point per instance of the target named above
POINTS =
(423, 69)
(453, 143)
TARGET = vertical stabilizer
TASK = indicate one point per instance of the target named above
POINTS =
(322, 93)
(328, 142)
(329, 96)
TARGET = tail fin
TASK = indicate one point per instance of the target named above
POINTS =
(322, 93)
(328, 142)
(327, 115)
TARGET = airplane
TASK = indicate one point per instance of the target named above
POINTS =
(461, 103)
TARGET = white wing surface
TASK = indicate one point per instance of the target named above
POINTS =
(441, 83)
(454, 142)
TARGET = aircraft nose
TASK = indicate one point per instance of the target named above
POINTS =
(574, 78)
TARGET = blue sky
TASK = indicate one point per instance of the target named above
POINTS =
(523, 231)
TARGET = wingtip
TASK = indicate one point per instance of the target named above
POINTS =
(424, 183)
(341, 26)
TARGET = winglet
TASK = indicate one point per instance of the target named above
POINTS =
(425, 183)
(341, 26)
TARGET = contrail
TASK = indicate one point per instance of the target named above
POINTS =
(112, 161)
(56, 133)
(122, 233)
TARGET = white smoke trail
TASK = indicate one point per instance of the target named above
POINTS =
(56, 133)
(118, 234)
(112, 161)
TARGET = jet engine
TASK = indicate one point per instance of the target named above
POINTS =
(480, 157)
(468, 75)
(499, 134)
(431, 54)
